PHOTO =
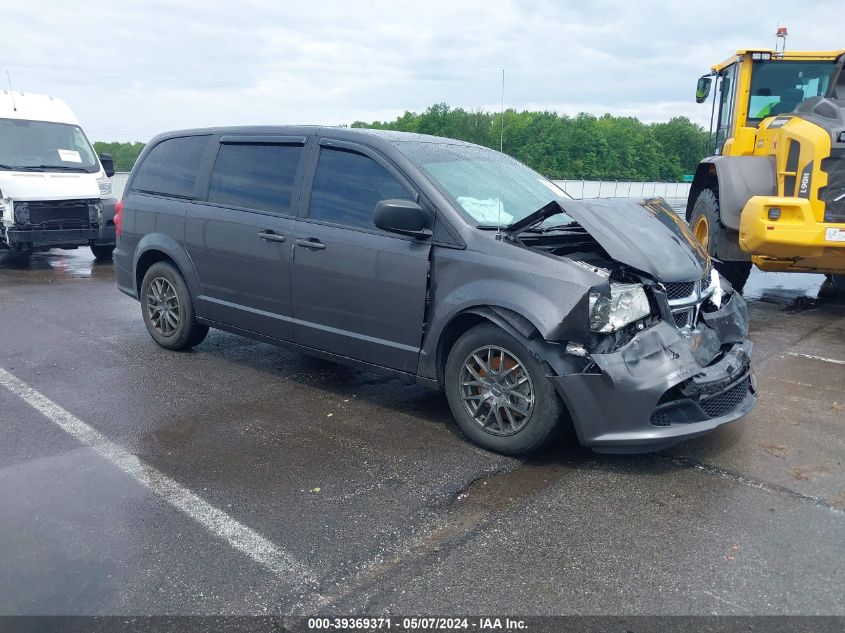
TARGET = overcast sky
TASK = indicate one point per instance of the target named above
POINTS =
(131, 70)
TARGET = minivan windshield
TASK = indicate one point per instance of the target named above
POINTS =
(44, 146)
(490, 189)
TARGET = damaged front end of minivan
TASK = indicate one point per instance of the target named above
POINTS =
(666, 356)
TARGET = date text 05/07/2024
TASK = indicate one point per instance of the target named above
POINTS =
(417, 624)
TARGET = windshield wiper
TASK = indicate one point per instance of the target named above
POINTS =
(533, 219)
(58, 167)
(548, 229)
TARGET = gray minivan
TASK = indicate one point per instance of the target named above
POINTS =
(443, 263)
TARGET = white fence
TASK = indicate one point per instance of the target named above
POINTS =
(675, 192)
(623, 189)
(118, 183)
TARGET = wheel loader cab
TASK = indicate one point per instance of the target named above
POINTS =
(777, 87)
(771, 191)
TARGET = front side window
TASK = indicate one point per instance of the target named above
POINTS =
(490, 189)
(347, 187)
(44, 146)
(171, 167)
(779, 86)
(255, 176)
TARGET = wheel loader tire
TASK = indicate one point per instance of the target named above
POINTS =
(705, 224)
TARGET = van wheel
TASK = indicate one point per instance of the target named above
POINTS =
(102, 252)
(500, 394)
(705, 224)
(16, 257)
(168, 310)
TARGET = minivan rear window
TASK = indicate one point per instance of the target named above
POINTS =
(255, 176)
(171, 167)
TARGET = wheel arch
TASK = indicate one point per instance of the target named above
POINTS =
(734, 179)
(146, 261)
(705, 177)
(155, 248)
(515, 324)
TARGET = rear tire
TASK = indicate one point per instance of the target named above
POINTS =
(705, 224)
(102, 252)
(838, 282)
(168, 310)
(503, 399)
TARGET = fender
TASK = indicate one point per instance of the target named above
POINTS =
(438, 332)
(511, 319)
(521, 328)
(738, 178)
(558, 315)
(536, 292)
(526, 333)
(175, 251)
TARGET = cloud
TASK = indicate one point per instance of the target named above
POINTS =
(131, 70)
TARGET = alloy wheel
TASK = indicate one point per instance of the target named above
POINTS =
(496, 390)
(163, 306)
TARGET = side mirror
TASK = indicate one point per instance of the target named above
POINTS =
(108, 164)
(702, 88)
(404, 217)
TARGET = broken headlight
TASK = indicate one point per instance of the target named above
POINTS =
(6, 212)
(627, 303)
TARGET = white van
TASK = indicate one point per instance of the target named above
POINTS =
(54, 189)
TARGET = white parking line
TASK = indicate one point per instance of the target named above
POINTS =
(236, 534)
(821, 358)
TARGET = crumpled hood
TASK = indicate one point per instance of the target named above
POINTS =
(39, 185)
(644, 234)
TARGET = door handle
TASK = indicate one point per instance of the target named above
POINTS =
(270, 236)
(312, 242)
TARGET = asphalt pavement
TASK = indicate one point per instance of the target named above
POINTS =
(240, 478)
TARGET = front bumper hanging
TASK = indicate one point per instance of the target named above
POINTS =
(663, 387)
(63, 223)
(37, 238)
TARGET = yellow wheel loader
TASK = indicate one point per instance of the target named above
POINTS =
(773, 193)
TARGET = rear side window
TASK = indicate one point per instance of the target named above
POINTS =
(171, 167)
(255, 176)
(347, 187)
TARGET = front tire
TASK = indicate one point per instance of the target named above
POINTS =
(16, 258)
(102, 252)
(705, 224)
(168, 310)
(499, 392)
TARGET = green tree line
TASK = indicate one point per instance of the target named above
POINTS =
(564, 147)
(558, 146)
(124, 154)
